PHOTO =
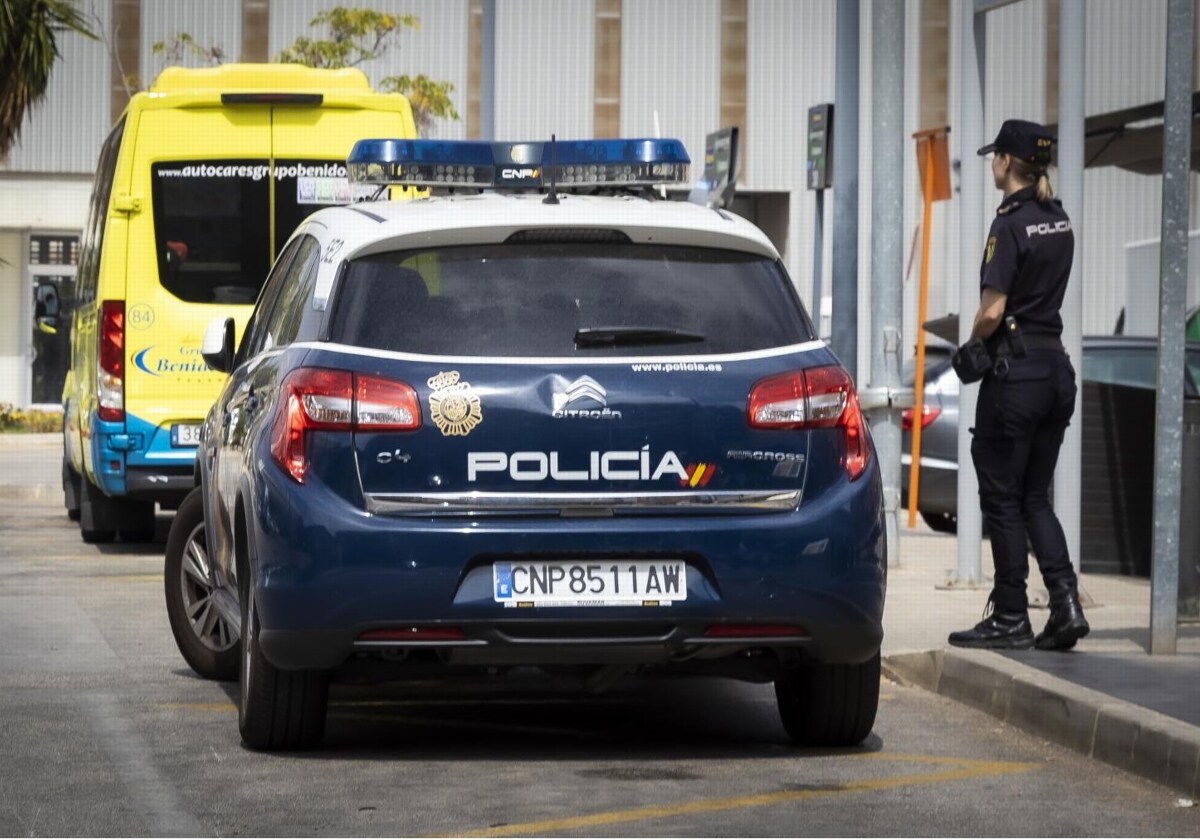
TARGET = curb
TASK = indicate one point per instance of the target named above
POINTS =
(1131, 737)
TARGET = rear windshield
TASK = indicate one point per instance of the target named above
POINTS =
(537, 299)
(212, 220)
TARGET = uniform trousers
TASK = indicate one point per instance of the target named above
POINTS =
(1020, 420)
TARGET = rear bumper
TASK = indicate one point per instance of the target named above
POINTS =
(326, 572)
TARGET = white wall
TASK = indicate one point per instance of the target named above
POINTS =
(14, 364)
(214, 23)
(671, 64)
(65, 131)
(545, 69)
(437, 49)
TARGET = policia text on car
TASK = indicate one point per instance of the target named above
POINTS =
(1027, 396)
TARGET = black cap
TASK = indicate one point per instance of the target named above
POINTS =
(1025, 140)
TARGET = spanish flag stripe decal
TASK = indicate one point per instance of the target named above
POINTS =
(697, 475)
(708, 474)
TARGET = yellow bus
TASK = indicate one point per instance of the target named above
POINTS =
(198, 187)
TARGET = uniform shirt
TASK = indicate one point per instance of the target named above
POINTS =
(1028, 258)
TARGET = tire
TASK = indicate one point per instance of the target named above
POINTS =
(279, 710)
(943, 523)
(829, 705)
(71, 491)
(207, 641)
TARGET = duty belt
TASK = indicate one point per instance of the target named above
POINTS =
(1001, 350)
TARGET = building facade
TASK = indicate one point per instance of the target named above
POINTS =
(581, 68)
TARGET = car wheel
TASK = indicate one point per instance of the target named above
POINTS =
(206, 639)
(279, 710)
(943, 523)
(825, 705)
(71, 490)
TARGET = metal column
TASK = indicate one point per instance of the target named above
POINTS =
(887, 250)
(818, 258)
(1173, 261)
(844, 325)
(487, 73)
(971, 64)
(1068, 476)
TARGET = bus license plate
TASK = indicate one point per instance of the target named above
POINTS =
(185, 434)
(602, 583)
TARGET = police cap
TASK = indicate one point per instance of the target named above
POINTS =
(1025, 140)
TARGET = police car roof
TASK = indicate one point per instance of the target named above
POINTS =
(376, 227)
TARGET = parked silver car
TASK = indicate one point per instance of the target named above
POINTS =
(1107, 359)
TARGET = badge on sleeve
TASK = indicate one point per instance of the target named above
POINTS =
(990, 250)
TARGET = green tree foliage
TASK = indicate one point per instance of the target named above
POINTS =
(357, 35)
(183, 46)
(430, 99)
(29, 34)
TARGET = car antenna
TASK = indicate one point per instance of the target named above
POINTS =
(552, 196)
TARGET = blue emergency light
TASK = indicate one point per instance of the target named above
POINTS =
(480, 165)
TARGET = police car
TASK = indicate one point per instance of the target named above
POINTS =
(540, 418)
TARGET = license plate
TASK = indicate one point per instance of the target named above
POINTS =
(565, 583)
(185, 434)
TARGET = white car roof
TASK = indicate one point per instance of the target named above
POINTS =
(375, 227)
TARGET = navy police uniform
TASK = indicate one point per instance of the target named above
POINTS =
(1026, 403)
(1026, 400)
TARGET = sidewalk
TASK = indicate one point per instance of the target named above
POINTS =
(1108, 698)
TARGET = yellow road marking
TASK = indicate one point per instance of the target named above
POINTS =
(960, 769)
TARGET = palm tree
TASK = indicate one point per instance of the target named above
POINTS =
(29, 31)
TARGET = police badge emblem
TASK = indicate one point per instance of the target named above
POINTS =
(990, 251)
(453, 406)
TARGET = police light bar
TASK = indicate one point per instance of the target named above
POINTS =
(479, 165)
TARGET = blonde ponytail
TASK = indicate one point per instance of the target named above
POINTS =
(1044, 191)
(1028, 173)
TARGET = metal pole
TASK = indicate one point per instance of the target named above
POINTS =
(887, 247)
(1068, 474)
(844, 327)
(1173, 262)
(487, 74)
(971, 68)
(818, 258)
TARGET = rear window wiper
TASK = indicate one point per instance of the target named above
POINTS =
(614, 336)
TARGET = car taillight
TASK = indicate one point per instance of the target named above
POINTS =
(814, 398)
(381, 405)
(319, 399)
(111, 361)
(928, 415)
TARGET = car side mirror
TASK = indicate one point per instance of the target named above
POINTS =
(217, 347)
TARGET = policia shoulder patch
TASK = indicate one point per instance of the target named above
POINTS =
(990, 250)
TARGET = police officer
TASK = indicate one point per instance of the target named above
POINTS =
(1027, 396)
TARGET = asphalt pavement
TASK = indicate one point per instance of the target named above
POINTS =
(106, 731)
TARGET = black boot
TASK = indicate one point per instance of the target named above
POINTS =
(1067, 624)
(1009, 630)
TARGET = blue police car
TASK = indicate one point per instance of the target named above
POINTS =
(540, 418)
